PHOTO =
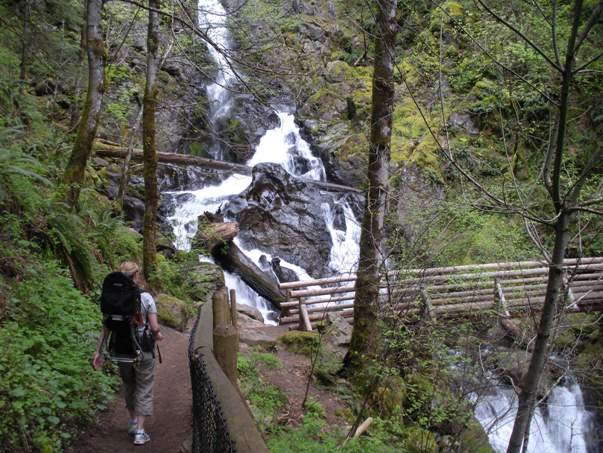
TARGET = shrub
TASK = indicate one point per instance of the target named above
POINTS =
(46, 382)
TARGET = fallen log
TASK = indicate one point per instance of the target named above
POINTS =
(104, 149)
(214, 234)
(231, 258)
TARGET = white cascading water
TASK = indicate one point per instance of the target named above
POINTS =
(212, 20)
(279, 145)
(562, 427)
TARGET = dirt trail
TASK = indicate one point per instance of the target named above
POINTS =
(171, 423)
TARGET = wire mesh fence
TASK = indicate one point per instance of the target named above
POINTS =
(210, 430)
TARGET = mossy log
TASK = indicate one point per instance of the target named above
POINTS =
(211, 235)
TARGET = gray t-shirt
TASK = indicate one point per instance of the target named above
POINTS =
(147, 305)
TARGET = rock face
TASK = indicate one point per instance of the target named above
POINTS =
(416, 194)
(280, 213)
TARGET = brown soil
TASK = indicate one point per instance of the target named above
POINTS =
(291, 378)
(171, 423)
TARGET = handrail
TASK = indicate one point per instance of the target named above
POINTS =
(452, 290)
(222, 422)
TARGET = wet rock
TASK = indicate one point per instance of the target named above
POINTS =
(134, 211)
(513, 364)
(250, 312)
(284, 274)
(247, 322)
(283, 214)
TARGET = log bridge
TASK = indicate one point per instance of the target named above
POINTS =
(508, 290)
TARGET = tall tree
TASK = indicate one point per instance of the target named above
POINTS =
(151, 197)
(565, 197)
(365, 333)
(73, 178)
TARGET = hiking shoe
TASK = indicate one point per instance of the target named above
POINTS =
(132, 424)
(141, 437)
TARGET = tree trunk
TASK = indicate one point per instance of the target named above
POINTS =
(73, 178)
(365, 333)
(25, 39)
(151, 193)
(554, 294)
(125, 167)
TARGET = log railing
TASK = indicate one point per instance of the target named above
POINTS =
(510, 289)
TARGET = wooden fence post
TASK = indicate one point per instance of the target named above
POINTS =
(428, 312)
(226, 336)
(304, 319)
(233, 308)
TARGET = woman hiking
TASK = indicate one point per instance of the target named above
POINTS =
(137, 378)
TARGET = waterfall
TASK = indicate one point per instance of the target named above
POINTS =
(559, 425)
(282, 145)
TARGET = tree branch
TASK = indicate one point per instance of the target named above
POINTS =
(521, 35)
(592, 20)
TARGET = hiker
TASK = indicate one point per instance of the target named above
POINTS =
(137, 377)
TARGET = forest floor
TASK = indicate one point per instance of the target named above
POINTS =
(171, 423)
(291, 377)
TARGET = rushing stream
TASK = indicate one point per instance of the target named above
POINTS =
(561, 425)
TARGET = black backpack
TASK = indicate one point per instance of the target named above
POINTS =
(120, 303)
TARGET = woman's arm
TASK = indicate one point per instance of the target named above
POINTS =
(152, 317)
(98, 359)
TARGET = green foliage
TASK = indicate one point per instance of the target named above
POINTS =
(464, 235)
(46, 382)
(269, 360)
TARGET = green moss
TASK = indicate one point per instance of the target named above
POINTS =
(411, 140)
(475, 439)
(299, 342)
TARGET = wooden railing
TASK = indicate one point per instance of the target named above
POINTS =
(512, 289)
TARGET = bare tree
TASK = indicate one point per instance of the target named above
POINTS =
(565, 197)
(151, 193)
(365, 333)
(73, 177)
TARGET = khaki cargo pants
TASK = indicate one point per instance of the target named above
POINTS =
(138, 380)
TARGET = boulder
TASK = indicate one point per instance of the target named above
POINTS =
(338, 332)
(250, 312)
(513, 364)
(172, 311)
(257, 337)
(283, 214)
(246, 322)
(284, 274)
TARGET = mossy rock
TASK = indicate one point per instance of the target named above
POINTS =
(299, 342)
(172, 311)
(203, 279)
(475, 439)
(419, 440)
